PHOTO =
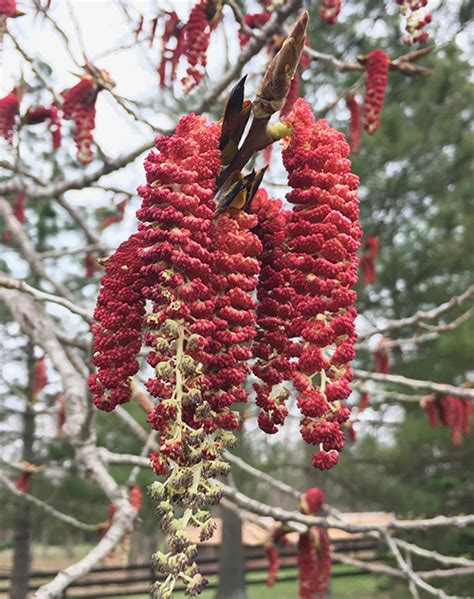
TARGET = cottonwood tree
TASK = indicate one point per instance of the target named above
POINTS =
(222, 295)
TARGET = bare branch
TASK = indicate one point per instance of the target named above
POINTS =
(421, 315)
(398, 379)
(45, 507)
(27, 249)
(42, 296)
(410, 574)
(446, 560)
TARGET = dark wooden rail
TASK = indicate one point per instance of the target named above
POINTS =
(116, 581)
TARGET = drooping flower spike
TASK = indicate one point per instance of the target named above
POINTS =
(376, 78)
(79, 106)
(368, 260)
(355, 123)
(9, 109)
(320, 268)
(454, 412)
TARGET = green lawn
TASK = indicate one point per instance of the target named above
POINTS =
(347, 587)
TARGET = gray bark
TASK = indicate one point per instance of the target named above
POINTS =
(231, 558)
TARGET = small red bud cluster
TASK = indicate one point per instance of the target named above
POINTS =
(91, 265)
(41, 114)
(367, 260)
(40, 377)
(253, 21)
(364, 401)
(79, 106)
(112, 216)
(18, 206)
(9, 109)
(382, 357)
(22, 483)
(330, 10)
(415, 22)
(454, 412)
(376, 78)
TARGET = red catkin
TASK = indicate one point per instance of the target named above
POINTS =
(40, 378)
(9, 108)
(382, 357)
(376, 78)
(170, 54)
(320, 269)
(118, 324)
(272, 365)
(364, 401)
(355, 123)
(454, 412)
(7, 7)
(367, 260)
(203, 18)
(79, 106)
(23, 481)
(330, 10)
(273, 564)
(41, 114)
(375, 84)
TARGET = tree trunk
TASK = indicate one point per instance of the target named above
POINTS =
(22, 520)
(231, 558)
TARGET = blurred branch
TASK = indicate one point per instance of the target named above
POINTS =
(446, 560)
(421, 315)
(45, 507)
(398, 379)
(404, 64)
(26, 247)
(39, 295)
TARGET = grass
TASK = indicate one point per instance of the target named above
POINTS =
(347, 587)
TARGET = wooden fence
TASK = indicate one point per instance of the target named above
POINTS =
(116, 581)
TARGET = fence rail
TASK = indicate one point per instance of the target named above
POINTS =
(135, 579)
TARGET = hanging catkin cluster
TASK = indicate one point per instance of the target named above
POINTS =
(79, 106)
(454, 412)
(221, 291)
